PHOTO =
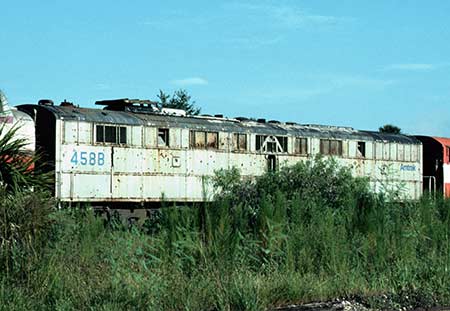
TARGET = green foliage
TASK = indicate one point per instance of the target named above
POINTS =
(284, 238)
(25, 224)
(179, 100)
(390, 129)
(17, 169)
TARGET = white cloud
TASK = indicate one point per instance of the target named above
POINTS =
(327, 84)
(287, 16)
(411, 67)
(340, 81)
(190, 81)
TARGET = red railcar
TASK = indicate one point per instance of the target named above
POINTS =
(436, 163)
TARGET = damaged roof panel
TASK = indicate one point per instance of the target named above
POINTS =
(217, 124)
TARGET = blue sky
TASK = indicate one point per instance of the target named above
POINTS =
(354, 63)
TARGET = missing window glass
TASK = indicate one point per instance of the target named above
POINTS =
(361, 151)
(163, 137)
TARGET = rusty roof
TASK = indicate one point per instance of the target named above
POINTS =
(208, 123)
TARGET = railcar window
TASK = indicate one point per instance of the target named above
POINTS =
(212, 140)
(271, 143)
(331, 147)
(239, 141)
(201, 139)
(111, 134)
(100, 134)
(260, 141)
(283, 143)
(123, 135)
(361, 150)
(163, 137)
(301, 145)
(448, 154)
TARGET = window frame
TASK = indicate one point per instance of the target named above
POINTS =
(361, 150)
(120, 134)
(166, 134)
(237, 146)
(205, 145)
(302, 148)
(271, 146)
(328, 143)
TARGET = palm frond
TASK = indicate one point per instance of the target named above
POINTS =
(17, 165)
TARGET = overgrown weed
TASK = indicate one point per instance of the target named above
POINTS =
(309, 232)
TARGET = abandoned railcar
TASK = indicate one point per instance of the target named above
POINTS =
(129, 152)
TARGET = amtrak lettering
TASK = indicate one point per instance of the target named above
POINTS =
(410, 168)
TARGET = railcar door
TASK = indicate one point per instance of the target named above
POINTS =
(271, 163)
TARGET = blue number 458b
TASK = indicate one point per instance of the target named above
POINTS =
(88, 158)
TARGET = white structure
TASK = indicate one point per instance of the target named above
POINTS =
(108, 156)
(10, 117)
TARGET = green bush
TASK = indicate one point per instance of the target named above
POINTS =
(286, 237)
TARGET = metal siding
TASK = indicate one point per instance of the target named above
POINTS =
(143, 174)
(134, 135)
(352, 149)
(85, 133)
(407, 152)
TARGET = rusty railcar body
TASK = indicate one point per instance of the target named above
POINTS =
(128, 153)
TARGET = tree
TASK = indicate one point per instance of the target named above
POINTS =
(179, 100)
(17, 167)
(390, 129)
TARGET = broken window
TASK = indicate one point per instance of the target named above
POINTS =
(361, 149)
(331, 147)
(163, 137)
(282, 140)
(301, 145)
(271, 143)
(110, 134)
(239, 141)
(201, 139)
(212, 140)
(260, 141)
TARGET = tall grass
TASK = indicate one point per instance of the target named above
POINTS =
(308, 232)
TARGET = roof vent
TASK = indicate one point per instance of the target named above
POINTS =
(291, 123)
(241, 118)
(261, 120)
(130, 105)
(65, 103)
(174, 112)
(218, 115)
(274, 122)
(45, 102)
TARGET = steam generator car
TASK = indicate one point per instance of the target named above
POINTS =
(131, 154)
